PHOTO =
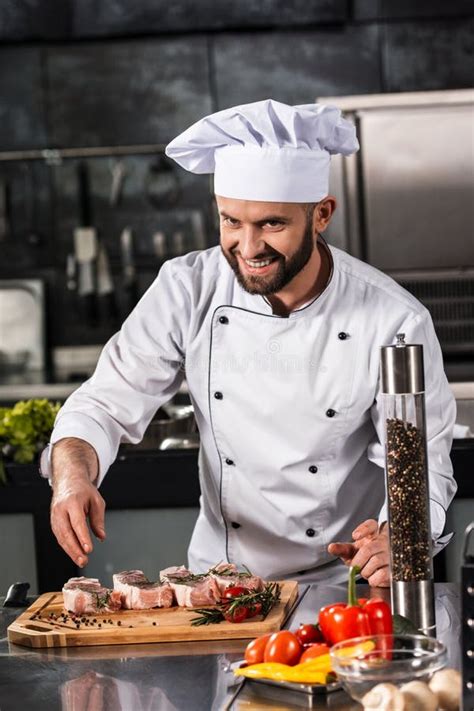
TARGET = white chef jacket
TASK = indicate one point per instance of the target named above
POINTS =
(289, 409)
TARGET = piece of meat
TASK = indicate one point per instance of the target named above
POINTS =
(175, 572)
(204, 591)
(227, 575)
(191, 590)
(138, 593)
(83, 596)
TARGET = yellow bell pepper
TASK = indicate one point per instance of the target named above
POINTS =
(313, 671)
(321, 662)
(306, 676)
(360, 648)
(265, 670)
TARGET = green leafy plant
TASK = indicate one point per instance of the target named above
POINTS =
(24, 430)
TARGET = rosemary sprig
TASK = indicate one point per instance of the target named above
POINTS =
(197, 577)
(183, 579)
(268, 597)
(208, 617)
(101, 600)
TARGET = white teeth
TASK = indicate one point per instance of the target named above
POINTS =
(256, 265)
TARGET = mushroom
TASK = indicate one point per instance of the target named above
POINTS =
(446, 684)
(384, 697)
(419, 697)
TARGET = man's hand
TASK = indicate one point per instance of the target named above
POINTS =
(370, 551)
(75, 498)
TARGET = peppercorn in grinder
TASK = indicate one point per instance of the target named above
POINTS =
(406, 476)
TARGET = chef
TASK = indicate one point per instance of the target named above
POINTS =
(278, 334)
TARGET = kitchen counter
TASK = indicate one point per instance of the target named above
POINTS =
(172, 676)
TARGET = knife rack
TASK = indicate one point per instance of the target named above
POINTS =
(55, 156)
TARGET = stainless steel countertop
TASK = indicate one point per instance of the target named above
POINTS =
(170, 676)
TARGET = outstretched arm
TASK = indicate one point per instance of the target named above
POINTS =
(76, 499)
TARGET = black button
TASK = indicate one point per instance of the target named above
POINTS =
(342, 336)
(223, 319)
(229, 462)
(309, 532)
(313, 469)
(234, 524)
(329, 413)
(218, 395)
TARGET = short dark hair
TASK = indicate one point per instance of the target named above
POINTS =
(309, 208)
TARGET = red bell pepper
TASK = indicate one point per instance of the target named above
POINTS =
(356, 618)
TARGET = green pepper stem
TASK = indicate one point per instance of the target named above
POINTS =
(351, 588)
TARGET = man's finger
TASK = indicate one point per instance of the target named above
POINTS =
(375, 562)
(373, 547)
(367, 528)
(346, 551)
(97, 516)
(381, 578)
(79, 526)
(67, 539)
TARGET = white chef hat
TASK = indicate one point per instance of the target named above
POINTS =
(267, 150)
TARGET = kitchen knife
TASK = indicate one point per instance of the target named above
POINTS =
(71, 272)
(105, 286)
(4, 210)
(197, 225)
(85, 245)
(128, 268)
(119, 173)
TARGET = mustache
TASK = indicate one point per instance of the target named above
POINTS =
(262, 255)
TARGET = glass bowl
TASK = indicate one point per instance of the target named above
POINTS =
(363, 662)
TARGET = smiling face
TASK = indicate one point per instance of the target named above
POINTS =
(267, 244)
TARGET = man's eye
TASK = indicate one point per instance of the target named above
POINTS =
(274, 223)
(231, 221)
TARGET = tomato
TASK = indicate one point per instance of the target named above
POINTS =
(283, 647)
(314, 650)
(254, 609)
(235, 591)
(307, 634)
(256, 649)
(239, 614)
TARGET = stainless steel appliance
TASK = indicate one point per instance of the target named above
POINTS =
(406, 200)
(22, 326)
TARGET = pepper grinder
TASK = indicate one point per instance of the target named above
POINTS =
(406, 476)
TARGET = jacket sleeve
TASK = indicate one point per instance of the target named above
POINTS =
(440, 417)
(139, 369)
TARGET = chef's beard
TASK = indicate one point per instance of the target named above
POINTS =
(286, 270)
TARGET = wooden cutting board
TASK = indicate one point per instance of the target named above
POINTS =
(33, 628)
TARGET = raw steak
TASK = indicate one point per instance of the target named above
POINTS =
(191, 590)
(87, 596)
(176, 572)
(138, 593)
(227, 574)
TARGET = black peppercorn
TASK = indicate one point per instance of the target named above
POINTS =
(407, 498)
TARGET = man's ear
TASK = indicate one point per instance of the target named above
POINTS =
(323, 213)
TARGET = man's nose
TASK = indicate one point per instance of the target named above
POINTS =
(251, 243)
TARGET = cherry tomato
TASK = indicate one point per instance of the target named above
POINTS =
(283, 647)
(234, 591)
(314, 650)
(255, 649)
(307, 634)
(254, 609)
(239, 614)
